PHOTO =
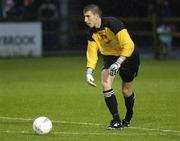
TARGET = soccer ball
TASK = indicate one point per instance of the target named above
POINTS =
(42, 125)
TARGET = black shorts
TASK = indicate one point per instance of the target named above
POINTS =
(129, 68)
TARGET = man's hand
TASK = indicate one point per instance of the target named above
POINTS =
(114, 68)
(90, 80)
(89, 77)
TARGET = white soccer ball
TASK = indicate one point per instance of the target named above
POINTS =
(42, 125)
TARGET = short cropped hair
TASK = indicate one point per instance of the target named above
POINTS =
(94, 9)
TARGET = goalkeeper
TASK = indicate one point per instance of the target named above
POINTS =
(109, 36)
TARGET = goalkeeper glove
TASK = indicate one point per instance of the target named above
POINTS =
(89, 77)
(114, 68)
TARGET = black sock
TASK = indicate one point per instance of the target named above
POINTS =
(111, 103)
(129, 102)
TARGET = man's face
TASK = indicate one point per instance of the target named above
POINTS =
(90, 19)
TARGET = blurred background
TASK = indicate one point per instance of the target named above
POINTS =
(56, 27)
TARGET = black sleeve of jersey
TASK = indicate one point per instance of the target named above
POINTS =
(114, 24)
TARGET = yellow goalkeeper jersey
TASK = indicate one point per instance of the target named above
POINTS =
(112, 38)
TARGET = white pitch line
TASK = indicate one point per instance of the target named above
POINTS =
(159, 130)
(95, 124)
(15, 118)
(79, 123)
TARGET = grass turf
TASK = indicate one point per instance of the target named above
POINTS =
(56, 87)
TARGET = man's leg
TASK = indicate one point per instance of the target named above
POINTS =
(110, 98)
(129, 98)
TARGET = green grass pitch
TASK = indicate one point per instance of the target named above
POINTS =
(55, 87)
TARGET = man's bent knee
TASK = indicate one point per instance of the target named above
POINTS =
(106, 85)
(127, 90)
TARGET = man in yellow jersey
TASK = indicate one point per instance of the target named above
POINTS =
(109, 36)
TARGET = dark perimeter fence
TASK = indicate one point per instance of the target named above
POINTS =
(67, 35)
